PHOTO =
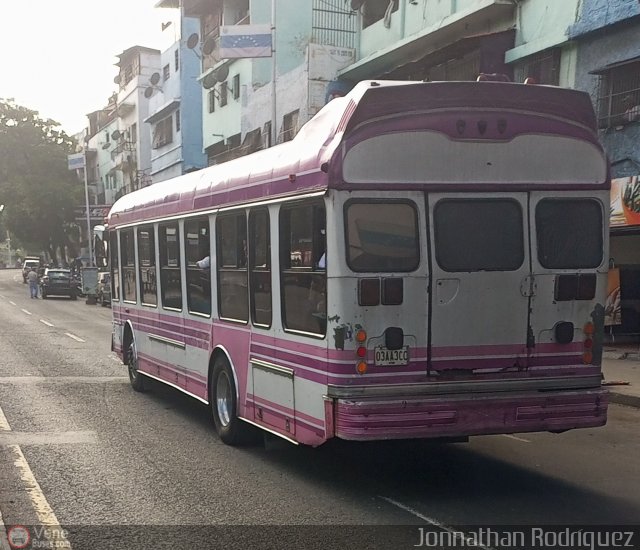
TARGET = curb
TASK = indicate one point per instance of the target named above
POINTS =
(624, 399)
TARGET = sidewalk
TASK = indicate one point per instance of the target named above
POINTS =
(622, 364)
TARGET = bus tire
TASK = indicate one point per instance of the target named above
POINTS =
(136, 379)
(223, 402)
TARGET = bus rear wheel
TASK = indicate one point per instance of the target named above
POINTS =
(136, 379)
(223, 402)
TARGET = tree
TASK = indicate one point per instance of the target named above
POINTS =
(37, 189)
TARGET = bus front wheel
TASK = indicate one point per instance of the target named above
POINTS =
(136, 379)
(223, 401)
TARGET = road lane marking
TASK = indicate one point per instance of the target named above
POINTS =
(47, 438)
(4, 543)
(76, 338)
(26, 380)
(511, 436)
(27, 312)
(4, 423)
(457, 534)
(12, 303)
(46, 323)
(38, 501)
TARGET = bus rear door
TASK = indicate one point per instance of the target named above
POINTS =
(570, 271)
(479, 302)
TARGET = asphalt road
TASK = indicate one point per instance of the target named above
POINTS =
(118, 469)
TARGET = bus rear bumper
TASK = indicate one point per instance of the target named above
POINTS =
(457, 416)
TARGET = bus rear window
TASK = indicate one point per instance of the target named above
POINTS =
(569, 233)
(382, 236)
(479, 235)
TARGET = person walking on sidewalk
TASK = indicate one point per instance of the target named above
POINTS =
(32, 279)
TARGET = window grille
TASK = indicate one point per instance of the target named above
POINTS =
(618, 100)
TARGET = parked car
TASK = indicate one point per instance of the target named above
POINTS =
(58, 282)
(104, 288)
(27, 265)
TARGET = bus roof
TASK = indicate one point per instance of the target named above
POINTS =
(301, 165)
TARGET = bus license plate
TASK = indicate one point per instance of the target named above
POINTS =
(390, 357)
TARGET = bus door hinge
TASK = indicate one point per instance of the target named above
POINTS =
(528, 286)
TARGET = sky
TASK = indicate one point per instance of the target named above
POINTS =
(58, 57)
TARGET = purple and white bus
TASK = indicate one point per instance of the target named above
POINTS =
(423, 260)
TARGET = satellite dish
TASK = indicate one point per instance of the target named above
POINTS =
(79, 148)
(209, 81)
(155, 78)
(222, 73)
(116, 79)
(208, 46)
(106, 145)
(193, 41)
(116, 134)
(148, 93)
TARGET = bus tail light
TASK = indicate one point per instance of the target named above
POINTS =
(361, 351)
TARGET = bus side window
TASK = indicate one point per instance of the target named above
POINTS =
(260, 267)
(170, 276)
(231, 242)
(127, 251)
(303, 282)
(198, 278)
(147, 268)
(115, 273)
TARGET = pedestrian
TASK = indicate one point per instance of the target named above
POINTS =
(32, 278)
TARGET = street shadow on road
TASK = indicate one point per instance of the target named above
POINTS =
(457, 483)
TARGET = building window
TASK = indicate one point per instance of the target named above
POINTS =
(619, 95)
(543, 67)
(177, 121)
(170, 275)
(290, 125)
(236, 86)
(231, 245)
(196, 241)
(212, 101)
(163, 133)
(166, 72)
(133, 133)
(375, 10)
(223, 94)
(147, 261)
(302, 277)
(176, 60)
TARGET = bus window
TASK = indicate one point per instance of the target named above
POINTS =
(196, 233)
(260, 266)
(147, 260)
(382, 236)
(303, 285)
(479, 235)
(170, 276)
(128, 265)
(115, 274)
(569, 233)
(231, 245)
